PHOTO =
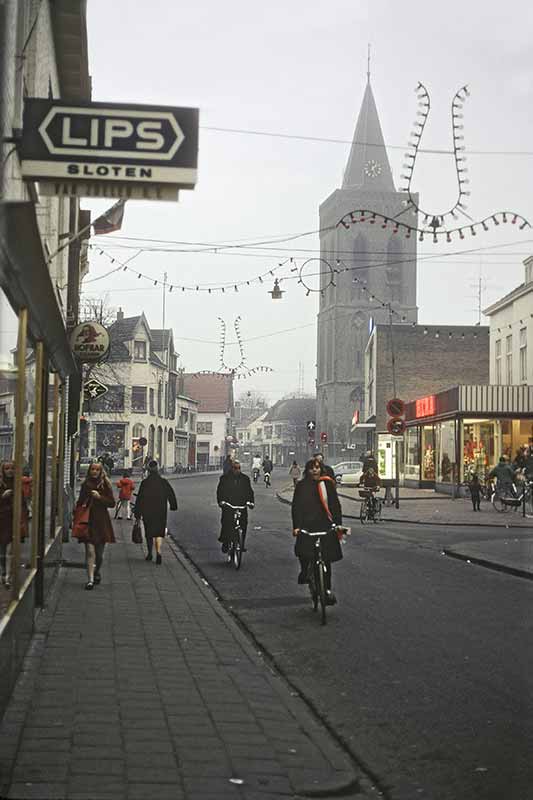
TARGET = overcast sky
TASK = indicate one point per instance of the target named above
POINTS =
(299, 68)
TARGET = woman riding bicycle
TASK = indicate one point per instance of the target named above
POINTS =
(316, 507)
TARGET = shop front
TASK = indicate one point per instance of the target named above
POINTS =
(464, 430)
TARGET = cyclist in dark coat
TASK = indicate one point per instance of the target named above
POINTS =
(316, 507)
(155, 494)
(234, 488)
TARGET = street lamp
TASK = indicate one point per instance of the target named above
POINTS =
(276, 292)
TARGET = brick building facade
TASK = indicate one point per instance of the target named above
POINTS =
(428, 359)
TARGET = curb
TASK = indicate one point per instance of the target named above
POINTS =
(423, 521)
(341, 762)
(494, 565)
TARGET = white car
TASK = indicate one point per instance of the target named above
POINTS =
(348, 469)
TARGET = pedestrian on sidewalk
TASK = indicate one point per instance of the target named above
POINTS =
(316, 507)
(27, 489)
(154, 496)
(96, 494)
(295, 472)
(475, 492)
(7, 486)
(126, 487)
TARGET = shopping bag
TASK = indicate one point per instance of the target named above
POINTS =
(136, 533)
(80, 522)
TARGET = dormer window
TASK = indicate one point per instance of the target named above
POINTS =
(139, 351)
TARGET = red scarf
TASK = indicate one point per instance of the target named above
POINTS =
(323, 494)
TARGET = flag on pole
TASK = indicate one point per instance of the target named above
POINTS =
(111, 220)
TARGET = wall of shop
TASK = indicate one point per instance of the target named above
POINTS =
(428, 359)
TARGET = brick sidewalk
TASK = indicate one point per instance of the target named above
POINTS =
(146, 689)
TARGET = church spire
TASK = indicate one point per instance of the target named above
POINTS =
(368, 165)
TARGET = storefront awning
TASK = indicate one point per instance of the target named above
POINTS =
(25, 279)
(363, 426)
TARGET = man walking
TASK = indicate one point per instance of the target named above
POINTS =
(155, 495)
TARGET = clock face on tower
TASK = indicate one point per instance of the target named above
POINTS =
(372, 168)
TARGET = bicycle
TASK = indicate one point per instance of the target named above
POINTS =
(267, 479)
(236, 546)
(504, 500)
(317, 571)
(370, 506)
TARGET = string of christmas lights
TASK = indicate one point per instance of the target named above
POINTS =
(241, 371)
(197, 287)
(424, 103)
(371, 217)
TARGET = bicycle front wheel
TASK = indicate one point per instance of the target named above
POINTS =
(237, 551)
(363, 512)
(322, 591)
(313, 583)
(377, 512)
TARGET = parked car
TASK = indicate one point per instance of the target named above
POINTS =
(347, 468)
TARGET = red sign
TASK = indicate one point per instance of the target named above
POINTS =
(396, 407)
(355, 418)
(396, 426)
(425, 407)
(323, 437)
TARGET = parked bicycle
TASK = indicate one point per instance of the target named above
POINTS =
(370, 510)
(236, 545)
(506, 499)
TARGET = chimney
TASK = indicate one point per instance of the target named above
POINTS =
(120, 315)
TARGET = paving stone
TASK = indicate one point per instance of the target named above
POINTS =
(45, 790)
(154, 791)
(141, 775)
(90, 766)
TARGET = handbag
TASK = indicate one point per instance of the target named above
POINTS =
(136, 533)
(80, 522)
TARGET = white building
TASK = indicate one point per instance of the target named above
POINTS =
(140, 402)
(511, 334)
(214, 394)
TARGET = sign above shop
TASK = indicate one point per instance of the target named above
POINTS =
(425, 406)
(89, 342)
(109, 146)
(92, 389)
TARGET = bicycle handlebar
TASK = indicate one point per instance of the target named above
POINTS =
(236, 508)
(319, 533)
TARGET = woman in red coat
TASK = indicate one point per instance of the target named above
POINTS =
(96, 493)
(7, 485)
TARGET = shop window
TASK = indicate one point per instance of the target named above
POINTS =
(428, 453)
(139, 351)
(445, 455)
(509, 359)
(482, 443)
(523, 355)
(138, 398)
(498, 361)
(412, 455)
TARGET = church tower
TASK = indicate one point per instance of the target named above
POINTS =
(383, 262)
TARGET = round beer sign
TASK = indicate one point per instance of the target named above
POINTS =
(89, 342)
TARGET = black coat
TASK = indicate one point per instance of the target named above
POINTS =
(328, 470)
(155, 493)
(309, 513)
(237, 490)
